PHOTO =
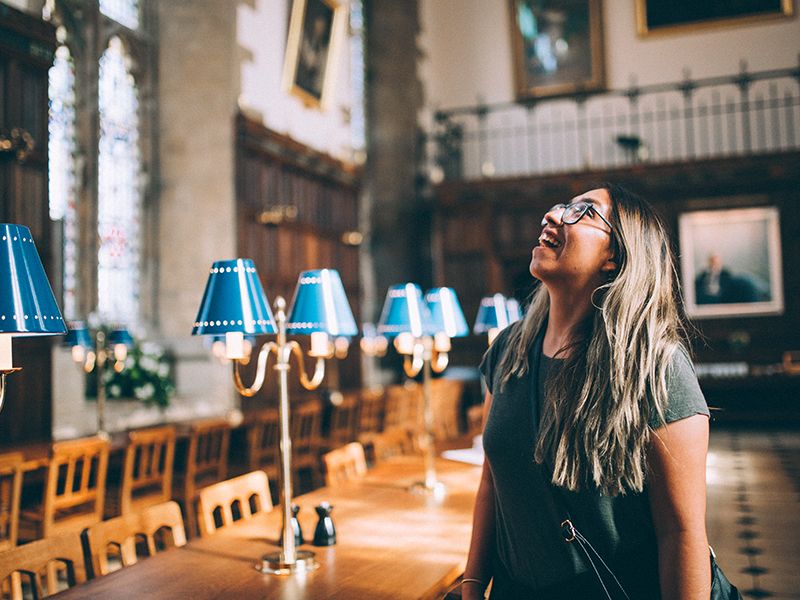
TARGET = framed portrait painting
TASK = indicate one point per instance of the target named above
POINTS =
(557, 47)
(667, 16)
(731, 262)
(315, 31)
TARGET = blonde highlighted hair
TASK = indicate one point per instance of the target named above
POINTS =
(612, 381)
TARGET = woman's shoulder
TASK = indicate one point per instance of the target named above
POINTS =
(495, 352)
(684, 396)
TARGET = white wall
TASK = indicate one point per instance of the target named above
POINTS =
(467, 50)
(261, 35)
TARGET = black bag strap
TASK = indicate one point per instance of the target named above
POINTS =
(568, 530)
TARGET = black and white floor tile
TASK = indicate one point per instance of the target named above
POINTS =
(754, 509)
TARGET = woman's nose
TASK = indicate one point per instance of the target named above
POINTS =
(552, 216)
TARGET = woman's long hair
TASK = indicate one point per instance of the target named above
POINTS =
(611, 382)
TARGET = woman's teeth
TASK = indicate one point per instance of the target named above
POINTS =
(549, 241)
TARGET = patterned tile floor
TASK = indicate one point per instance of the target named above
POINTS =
(754, 509)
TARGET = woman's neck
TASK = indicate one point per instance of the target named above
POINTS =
(566, 312)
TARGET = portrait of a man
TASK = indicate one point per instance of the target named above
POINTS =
(730, 262)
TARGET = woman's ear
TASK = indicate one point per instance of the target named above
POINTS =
(609, 268)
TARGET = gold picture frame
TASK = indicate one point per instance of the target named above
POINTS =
(557, 47)
(731, 264)
(654, 17)
(316, 29)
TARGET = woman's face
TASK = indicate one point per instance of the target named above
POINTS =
(577, 255)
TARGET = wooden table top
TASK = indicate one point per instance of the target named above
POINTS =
(392, 544)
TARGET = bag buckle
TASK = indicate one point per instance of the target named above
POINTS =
(568, 530)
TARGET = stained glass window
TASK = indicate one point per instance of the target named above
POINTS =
(61, 126)
(125, 12)
(119, 206)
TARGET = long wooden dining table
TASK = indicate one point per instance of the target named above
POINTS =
(391, 544)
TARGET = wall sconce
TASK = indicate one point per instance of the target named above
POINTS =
(275, 215)
(27, 304)
(495, 313)
(94, 354)
(233, 305)
(422, 332)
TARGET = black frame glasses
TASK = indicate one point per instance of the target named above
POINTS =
(574, 212)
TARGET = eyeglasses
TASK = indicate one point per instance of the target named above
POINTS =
(572, 213)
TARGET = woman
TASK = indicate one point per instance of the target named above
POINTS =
(594, 413)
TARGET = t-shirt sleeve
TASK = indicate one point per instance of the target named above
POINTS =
(492, 357)
(685, 399)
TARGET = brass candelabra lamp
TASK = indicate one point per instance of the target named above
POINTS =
(234, 305)
(422, 329)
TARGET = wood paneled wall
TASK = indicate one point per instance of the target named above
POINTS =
(485, 231)
(27, 45)
(275, 172)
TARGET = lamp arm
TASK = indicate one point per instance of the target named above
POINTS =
(319, 368)
(440, 361)
(3, 374)
(412, 365)
(261, 371)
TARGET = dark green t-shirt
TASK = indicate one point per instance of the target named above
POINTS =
(529, 548)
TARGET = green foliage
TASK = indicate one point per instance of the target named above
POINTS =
(147, 377)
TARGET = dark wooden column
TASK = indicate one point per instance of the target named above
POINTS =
(27, 46)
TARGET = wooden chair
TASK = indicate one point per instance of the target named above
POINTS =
(40, 560)
(263, 435)
(345, 463)
(400, 406)
(74, 489)
(370, 413)
(446, 403)
(10, 489)
(396, 441)
(475, 420)
(122, 533)
(247, 494)
(343, 421)
(206, 463)
(306, 440)
(146, 471)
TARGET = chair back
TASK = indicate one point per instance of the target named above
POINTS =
(37, 560)
(76, 482)
(446, 403)
(207, 456)
(121, 534)
(343, 421)
(10, 489)
(402, 406)
(396, 441)
(304, 429)
(345, 463)
(370, 410)
(147, 470)
(236, 494)
(263, 434)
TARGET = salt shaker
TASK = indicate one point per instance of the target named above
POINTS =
(298, 532)
(325, 533)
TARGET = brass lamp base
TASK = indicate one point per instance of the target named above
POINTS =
(274, 564)
(437, 489)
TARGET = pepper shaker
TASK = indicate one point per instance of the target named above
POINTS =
(325, 533)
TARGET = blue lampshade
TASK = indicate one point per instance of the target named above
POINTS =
(446, 312)
(119, 336)
(514, 310)
(404, 311)
(234, 301)
(492, 314)
(78, 335)
(320, 304)
(27, 304)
